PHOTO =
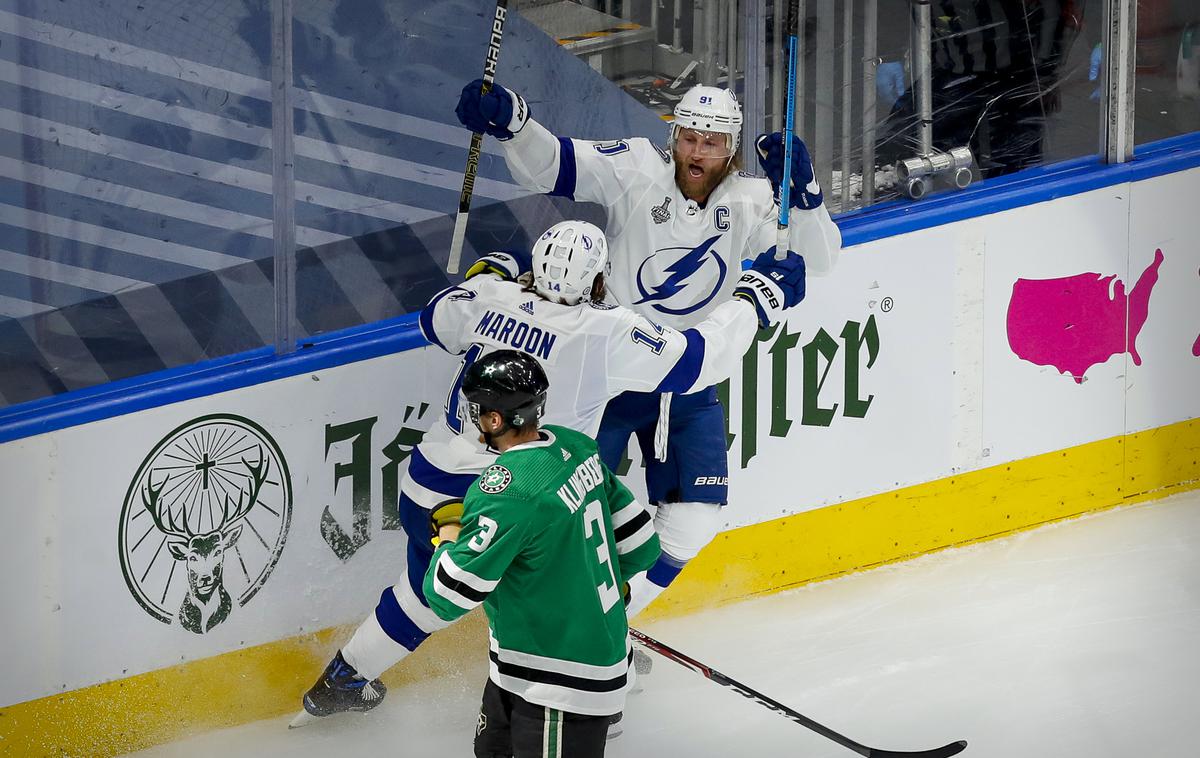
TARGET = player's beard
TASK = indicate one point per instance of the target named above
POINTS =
(699, 188)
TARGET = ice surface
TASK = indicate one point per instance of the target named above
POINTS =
(1077, 640)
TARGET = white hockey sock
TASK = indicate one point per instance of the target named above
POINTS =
(642, 592)
(370, 651)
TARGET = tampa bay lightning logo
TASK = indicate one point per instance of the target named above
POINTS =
(687, 276)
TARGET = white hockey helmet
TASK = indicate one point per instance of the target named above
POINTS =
(566, 259)
(709, 109)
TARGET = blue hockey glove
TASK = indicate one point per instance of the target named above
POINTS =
(500, 113)
(772, 286)
(508, 266)
(805, 192)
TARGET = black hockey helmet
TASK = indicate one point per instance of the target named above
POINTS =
(509, 382)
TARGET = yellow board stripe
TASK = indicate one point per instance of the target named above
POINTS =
(905, 523)
(600, 33)
(159, 706)
(268, 680)
(234, 688)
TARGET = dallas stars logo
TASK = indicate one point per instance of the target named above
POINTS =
(495, 479)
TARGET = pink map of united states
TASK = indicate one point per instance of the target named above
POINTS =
(1073, 323)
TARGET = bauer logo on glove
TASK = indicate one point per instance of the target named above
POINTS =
(772, 286)
(764, 290)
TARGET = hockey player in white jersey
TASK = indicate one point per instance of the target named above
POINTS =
(680, 221)
(589, 349)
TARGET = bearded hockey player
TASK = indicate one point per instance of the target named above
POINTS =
(680, 221)
(591, 351)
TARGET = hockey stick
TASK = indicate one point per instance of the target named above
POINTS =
(785, 186)
(468, 187)
(712, 674)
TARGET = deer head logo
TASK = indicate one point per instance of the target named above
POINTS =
(207, 499)
(203, 554)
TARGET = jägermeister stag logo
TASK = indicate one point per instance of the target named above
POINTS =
(204, 521)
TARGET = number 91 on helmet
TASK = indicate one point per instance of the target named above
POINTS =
(705, 115)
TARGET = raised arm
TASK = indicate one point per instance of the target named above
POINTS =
(811, 231)
(577, 169)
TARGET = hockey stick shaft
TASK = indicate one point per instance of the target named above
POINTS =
(476, 148)
(785, 186)
(716, 676)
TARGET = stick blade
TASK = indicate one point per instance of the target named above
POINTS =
(945, 751)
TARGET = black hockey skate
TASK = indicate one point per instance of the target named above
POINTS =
(341, 689)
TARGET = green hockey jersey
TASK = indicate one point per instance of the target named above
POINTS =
(549, 538)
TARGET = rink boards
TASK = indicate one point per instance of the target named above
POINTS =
(912, 402)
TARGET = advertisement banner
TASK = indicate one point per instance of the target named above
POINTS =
(209, 525)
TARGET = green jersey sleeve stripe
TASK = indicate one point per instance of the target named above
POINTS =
(636, 540)
(450, 587)
(414, 607)
(449, 595)
(459, 574)
(628, 522)
(443, 581)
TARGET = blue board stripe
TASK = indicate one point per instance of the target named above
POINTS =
(1016, 190)
(381, 338)
(207, 378)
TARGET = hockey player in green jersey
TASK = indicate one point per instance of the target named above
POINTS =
(546, 539)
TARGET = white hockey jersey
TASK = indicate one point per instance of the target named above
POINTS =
(672, 260)
(590, 352)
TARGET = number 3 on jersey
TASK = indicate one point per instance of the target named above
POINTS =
(607, 589)
(487, 530)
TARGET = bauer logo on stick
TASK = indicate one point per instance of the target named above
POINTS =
(493, 53)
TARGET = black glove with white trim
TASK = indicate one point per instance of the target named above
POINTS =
(772, 286)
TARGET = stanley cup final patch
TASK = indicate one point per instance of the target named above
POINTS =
(495, 479)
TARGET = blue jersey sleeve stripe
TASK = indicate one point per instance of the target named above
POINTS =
(396, 623)
(425, 320)
(433, 478)
(687, 369)
(564, 185)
